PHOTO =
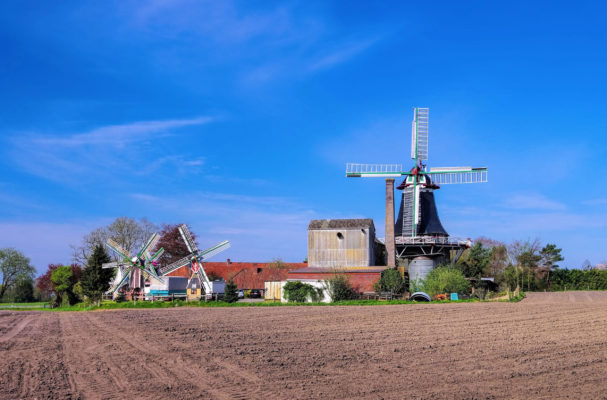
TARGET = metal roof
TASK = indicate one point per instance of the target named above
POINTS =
(317, 224)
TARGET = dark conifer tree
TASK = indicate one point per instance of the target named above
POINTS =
(231, 292)
(96, 280)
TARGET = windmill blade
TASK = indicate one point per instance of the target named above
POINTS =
(111, 265)
(175, 266)
(408, 214)
(150, 244)
(208, 253)
(375, 170)
(419, 134)
(125, 277)
(416, 209)
(456, 175)
(187, 238)
(150, 271)
(202, 276)
(157, 255)
(112, 244)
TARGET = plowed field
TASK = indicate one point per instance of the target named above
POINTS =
(547, 346)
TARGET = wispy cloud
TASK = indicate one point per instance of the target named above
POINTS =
(257, 226)
(270, 42)
(113, 151)
(532, 202)
(345, 52)
(116, 135)
(595, 202)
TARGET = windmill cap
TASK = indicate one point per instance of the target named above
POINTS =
(423, 179)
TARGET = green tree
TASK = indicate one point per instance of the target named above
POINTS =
(339, 288)
(390, 280)
(14, 266)
(24, 290)
(445, 279)
(231, 292)
(96, 280)
(550, 255)
(63, 285)
(474, 263)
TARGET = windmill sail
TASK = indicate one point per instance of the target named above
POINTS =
(175, 265)
(215, 250)
(126, 272)
(187, 238)
(149, 245)
(374, 170)
(456, 175)
(156, 256)
(408, 214)
(208, 288)
(419, 134)
(118, 249)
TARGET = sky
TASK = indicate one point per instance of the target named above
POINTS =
(238, 118)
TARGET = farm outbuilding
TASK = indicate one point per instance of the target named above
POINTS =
(341, 243)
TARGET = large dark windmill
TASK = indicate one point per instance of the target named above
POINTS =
(418, 237)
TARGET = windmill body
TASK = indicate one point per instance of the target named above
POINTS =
(132, 269)
(195, 261)
(419, 239)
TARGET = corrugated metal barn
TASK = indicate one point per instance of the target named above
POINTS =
(341, 243)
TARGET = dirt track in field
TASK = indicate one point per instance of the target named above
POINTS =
(547, 346)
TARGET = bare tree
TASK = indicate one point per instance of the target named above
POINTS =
(524, 255)
(128, 232)
(488, 242)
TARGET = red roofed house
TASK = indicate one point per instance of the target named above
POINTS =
(246, 275)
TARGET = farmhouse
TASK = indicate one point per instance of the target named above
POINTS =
(246, 275)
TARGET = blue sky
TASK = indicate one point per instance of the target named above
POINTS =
(238, 118)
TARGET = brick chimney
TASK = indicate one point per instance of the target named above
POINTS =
(390, 246)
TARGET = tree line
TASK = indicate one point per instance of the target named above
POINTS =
(84, 279)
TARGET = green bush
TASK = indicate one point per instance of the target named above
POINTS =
(445, 279)
(339, 288)
(299, 292)
(575, 279)
(120, 297)
(390, 281)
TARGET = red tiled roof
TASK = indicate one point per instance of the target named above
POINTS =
(246, 275)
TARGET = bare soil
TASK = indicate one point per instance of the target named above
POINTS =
(550, 345)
